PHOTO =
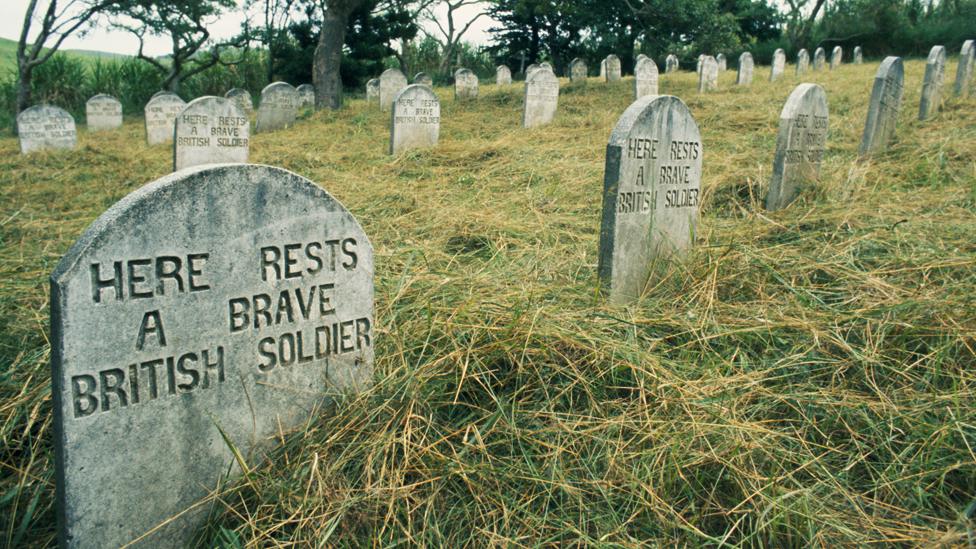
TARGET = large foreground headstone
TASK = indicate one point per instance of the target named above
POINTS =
(416, 119)
(858, 55)
(932, 85)
(613, 68)
(211, 130)
(217, 306)
(465, 85)
(373, 90)
(836, 57)
(243, 99)
(160, 113)
(883, 107)
(671, 63)
(503, 75)
(964, 72)
(746, 67)
(577, 71)
(802, 62)
(423, 79)
(541, 98)
(306, 96)
(779, 65)
(723, 64)
(46, 127)
(799, 145)
(651, 190)
(392, 81)
(645, 77)
(819, 59)
(708, 75)
(103, 112)
(278, 108)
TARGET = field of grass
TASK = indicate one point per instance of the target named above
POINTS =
(8, 56)
(806, 377)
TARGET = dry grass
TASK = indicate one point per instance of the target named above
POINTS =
(806, 378)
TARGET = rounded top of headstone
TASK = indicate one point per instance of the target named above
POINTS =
(890, 63)
(541, 74)
(212, 101)
(306, 87)
(820, 51)
(392, 73)
(639, 112)
(166, 97)
(645, 63)
(43, 110)
(277, 87)
(103, 97)
(838, 49)
(420, 76)
(373, 82)
(936, 53)
(235, 92)
(803, 96)
(545, 65)
(744, 56)
(576, 61)
(161, 92)
(415, 90)
(779, 51)
(641, 56)
(967, 47)
(612, 57)
(464, 73)
(502, 68)
(803, 51)
(720, 56)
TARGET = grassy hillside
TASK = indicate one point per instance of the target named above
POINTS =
(8, 55)
(806, 378)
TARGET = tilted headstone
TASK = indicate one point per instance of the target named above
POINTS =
(465, 85)
(391, 82)
(746, 66)
(779, 65)
(858, 55)
(306, 96)
(836, 57)
(211, 130)
(541, 98)
(645, 77)
(46, 127)
(423, 79)
(160, 113)
(883, 107)
(603, 70)
(819, 59)
(278, 108)
(802, 62)
(651, 193)
(931, 99)
(613, 68)
(708, 76)
(373, 90)
(103, 112)
(243, 99)
(964, 72)
(671, 63)
(577, 71)
(416, 119)
(722, 62)
(503, 75)
(799, 145)
(212, 309)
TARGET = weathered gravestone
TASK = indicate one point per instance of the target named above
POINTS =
(577, 71)
(391, 82)
(46, 127)
(603, 70)
(964, 72)
(373, 90)
(858, 55)
(932, 84)
(722, 62)
(465, 85)
(836, 57)
(802, 62)
(547, 66)
(503, 75)
(531, 69)
(242, 98)
(819, 59)
(423, 79)
(160, 92)
(613, 68)
(799, 145)
(103, 112)
(651, 192)
(883, 107)
(160, 113)
(217, 306)
(211, 130)
(416, 119)
(306, 96)
(645, 77)
(779, 65)
(708, 76)
(541, 98)
(671, 63)
(639, 57)
(278, 108)
(698, 65)
(746, 66)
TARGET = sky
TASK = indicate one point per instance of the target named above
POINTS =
(102, 39)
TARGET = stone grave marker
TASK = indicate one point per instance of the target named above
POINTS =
(671, 63)
(423, 79)
(802, 62)
(819, 59)
(103, 112)
(858, 56)
(160, 92)
(416, 119)
(645, 77)
(242, 98)
(546, 65)
(931, 99)
(883, 107)
(465, 85)
(799, 145)
(964, 71)
(722, 62)
(391, 82)
(708, 76)
(698, 65)
(779, 65)
(836, 57)
(503, 75)
(216, 306)
(373, 90)
(639, 57)
(306, 96)
(651, 193)
(160, 113)
(541, 98)
(613, 68)
(578, 71)
(278, 108)
(46, 127)
(746, 66)
(211, 130)
(531, 69)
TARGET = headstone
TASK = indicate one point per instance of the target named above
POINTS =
(964, 72)
(416, 119)
(746, 66)
(160, 92)
(423, 79)
(211, 130)
(651, 193)
(391, 82)
(547, 66)
(46, 127)
(671, 63)
(819, 59)
(577, 71)
(858, 55)
(645, 77)
(836, 57)
(531, 69)
(103, 112)
(698, 65)
(503, 75)
(160, 113)
(306, 96)
(613, 68)
(799, 145)
(639, 57)
(373, 90)
(708, 76)
(541, 98)
(779, 65)
(465, 85)
(932, 84)
(242, 98)
(603, 70)
(278, 108)
(722, 62)
(802, 62)
(883, 107)
(201, 316)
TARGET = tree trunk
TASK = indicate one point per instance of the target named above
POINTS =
(328, 54)
(24, 90)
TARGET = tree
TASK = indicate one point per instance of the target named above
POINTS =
(799, 26)
(326, 74)
(449, 35)
(531, 28)
(275, 19)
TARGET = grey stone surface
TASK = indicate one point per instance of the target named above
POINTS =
(503, 75)
(160, 92)
(415, 120)
(819, 59)
(423, 79)
(603, 70)
(547, 66)
(698, 64)
(746, 68)
(671, 63)
(800, 145)
(883, 107)
(46, 127)
(836, 57)
(964, 71)
(578, 71)
(802, 62)
(306, 97)
(723, 64)
(541, 98)
(645, 77)
(639, 57)
(392, 81)
(373, 90)
(613, 68)
(103, 112)
(932, 84)
(465, 85)
(651, 193)
(243, 99)
(858, 55)
(160, 114)
(708, 75)
(229, 298)
(211, 130)
(278, 108)
(778, 67)
(531, 68)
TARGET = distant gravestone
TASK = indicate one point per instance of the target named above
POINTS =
(531, 69)
(603, 70)
(883, 107)
(103, 112)
(547, 66)
(613, 68)
(932, 84)
(639, 57)
(541, 98)
(373, 90)
(204, 314)
(46, 127)
(836, 57)
(306, 96)
(391, 82)
(802, 62)
(577, 71)
(160, 92)
(858, 55)
(423, 79)
(964, 72)
(819, 59)
(708, 76)
(160, 113)
(465, 85)
(651, 193)
(722, 62)
(503, 75)
(746, 66)
(698, 65)
(645, 77)
(671, 64)
(278, 108)
(211, 130)
(416, 119)
(242, 98)
(779, 65)
(799, 145)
